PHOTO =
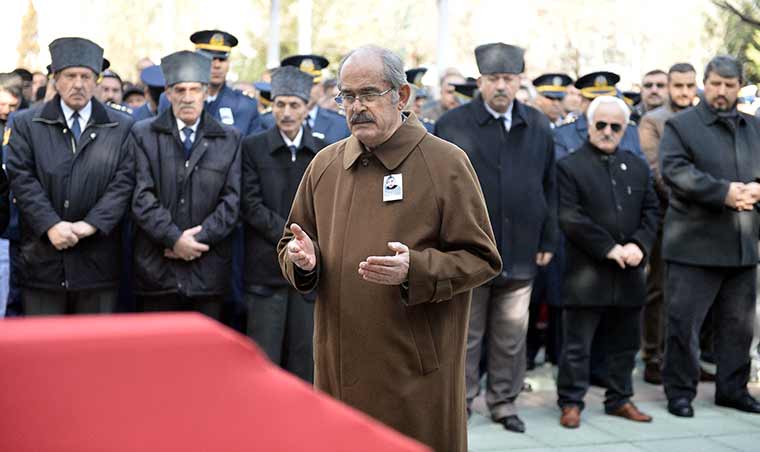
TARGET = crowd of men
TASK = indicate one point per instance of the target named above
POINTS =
(392, 248)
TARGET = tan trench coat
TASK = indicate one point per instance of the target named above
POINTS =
(395, 355)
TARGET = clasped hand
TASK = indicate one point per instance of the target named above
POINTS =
(743, 196)
(65, 234)
(628, 255)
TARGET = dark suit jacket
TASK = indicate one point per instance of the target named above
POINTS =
(604, 200)
(700, 155)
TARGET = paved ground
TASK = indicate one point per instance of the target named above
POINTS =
(712, 429)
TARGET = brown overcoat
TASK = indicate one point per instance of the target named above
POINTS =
(394, 354)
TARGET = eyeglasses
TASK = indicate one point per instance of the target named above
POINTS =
(648, 85)
(364, 99)
(601, 125)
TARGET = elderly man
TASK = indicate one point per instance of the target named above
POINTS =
(325, 123)
(511, 148)
(72, 175)
(682, 88)
(391, 230)
(709, 161)
(608, 213)
(187, 198)
(280, 319)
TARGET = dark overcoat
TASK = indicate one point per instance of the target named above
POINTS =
(174, 194)
(604, 200)
(270, 181)
(700, 155)
(517, 174)
(54, 178)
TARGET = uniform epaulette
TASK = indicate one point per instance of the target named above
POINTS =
(319, 135)
(119, 107)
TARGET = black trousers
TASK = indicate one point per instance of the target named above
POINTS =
(59, 302)
(690, 291)
(621, 328)
(281, 322)
(208, 305)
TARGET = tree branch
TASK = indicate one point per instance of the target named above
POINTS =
(727, 6)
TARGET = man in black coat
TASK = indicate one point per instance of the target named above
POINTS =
(280, 320)
(608, 212)
(187, 199)
(511, 148)
(710, 161)
(72, 175)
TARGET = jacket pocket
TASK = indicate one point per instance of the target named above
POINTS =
(423, 339)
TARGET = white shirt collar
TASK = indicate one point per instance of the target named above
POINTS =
(296, 141)
(84, 114)
(181, 125)
(507, 116)
(313, 112)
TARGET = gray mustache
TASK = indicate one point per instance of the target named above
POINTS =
(361, 118)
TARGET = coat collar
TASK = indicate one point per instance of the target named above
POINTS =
(709, 116)
(276, 143)
(51, 113)
(165, 123)
(395, 150)
(483, 117)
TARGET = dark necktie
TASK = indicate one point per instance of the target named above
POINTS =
(187, 143)
(76, 129)
(293, 150)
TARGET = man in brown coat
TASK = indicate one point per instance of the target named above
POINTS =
(390, 228)
(682, 88)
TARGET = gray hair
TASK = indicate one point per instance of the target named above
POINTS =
(725, 66)
(393, 66)
(604, 100)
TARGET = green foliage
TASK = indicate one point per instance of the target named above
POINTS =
(738, 37)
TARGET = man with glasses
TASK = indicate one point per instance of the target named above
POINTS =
(608, 214)
(511, 148)
(654, 93)
(709, 161)
(390, 228)
(682, 89)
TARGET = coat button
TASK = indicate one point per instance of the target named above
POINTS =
(63, 283)
(93, 135)
(620, 208)
(66, 204)
(181, 200)
(365, 161)
(614, 182)
(179, 285)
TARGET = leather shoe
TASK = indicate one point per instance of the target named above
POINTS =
(512, 423)
(629, 411)
(571, 416)
(653, 373)
(680, 407)
(745, 403)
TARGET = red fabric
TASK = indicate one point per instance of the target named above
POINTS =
(163, 382)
